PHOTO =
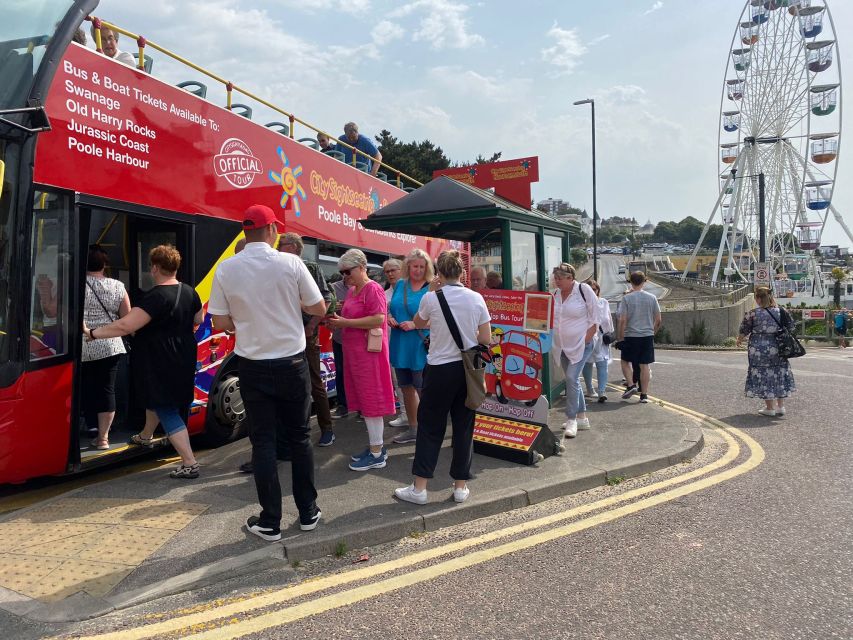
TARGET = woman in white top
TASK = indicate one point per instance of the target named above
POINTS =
(106, 301)
(575, 326)
(600, 355)
(445, 389)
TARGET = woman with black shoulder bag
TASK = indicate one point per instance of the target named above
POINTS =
(106, 301)
(445, 388)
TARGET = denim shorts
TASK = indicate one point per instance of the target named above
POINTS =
(410, 378)
(170, 418)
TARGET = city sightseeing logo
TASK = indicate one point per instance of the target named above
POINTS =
(290, 187)
(374, 197)
(236, 163)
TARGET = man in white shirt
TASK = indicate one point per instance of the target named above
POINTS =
(260, 295)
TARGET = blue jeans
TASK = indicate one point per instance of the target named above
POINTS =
(601, 374)
(575, 402)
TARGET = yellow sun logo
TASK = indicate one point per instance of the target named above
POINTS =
(287, 179)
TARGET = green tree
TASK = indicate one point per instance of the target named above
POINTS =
(419, 159)
(578, 256)
(838, 275)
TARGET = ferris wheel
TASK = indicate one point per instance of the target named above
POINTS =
(779, 141)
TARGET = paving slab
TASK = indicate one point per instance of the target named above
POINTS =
(162, 536)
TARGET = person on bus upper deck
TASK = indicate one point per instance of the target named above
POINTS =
(165, 356)
(326, 143)
(478, 279)
(260, 295)
(109, 45)
(353, 138)
(292, 243)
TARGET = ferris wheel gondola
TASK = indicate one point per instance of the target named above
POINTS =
(780, 118)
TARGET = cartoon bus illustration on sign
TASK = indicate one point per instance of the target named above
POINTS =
(514, 375)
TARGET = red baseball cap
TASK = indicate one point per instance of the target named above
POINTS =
(258, 216)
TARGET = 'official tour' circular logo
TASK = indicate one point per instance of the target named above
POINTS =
(236, 163)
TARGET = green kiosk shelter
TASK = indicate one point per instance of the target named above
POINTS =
(521, 245)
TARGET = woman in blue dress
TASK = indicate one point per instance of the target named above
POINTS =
(408, 354)
(769, 376)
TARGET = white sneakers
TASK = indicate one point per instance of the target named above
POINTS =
(410, 494)
(771, 413)
(402, 421)
(573, 426)
(780, 411)
(461, 495)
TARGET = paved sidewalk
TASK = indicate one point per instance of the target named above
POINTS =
(139, 537)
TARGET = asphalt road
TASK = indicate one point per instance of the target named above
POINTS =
(762, 551)
(613, 284)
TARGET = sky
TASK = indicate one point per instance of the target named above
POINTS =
(496, 75)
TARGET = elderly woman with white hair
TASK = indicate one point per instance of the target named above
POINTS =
(408, 351)
(367, 372)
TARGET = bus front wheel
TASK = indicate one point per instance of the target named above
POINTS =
(226, 415)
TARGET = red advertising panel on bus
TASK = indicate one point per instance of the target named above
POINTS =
(123, 134)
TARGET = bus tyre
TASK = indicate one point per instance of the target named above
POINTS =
(226, 415)
(499, 394)
(530, 403)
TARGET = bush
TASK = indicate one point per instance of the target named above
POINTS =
(698, 334)
(663, 336)
(730, 342)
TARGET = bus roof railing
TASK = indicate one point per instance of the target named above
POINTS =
(230, 87)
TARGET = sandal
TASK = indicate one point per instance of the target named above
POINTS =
(138, 439)
(185, 473)
(101, 445)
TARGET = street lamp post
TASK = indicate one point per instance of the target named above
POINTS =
(591, 102)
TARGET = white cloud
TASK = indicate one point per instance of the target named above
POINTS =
(313, 6)
(386, 31)
(601, 38)
(443, 26)
(469, 83)
(657, 6)
(567, 50)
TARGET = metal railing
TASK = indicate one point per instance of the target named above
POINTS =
(230, 88)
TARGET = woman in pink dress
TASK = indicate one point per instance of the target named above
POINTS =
(367, 372)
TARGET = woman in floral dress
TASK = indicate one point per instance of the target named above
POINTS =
(769, 376)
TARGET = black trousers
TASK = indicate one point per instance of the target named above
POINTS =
(338, 351)
(444, 393)
(277, 395)
(99, 387)
(318, 387)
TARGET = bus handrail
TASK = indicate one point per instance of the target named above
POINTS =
(143, 42)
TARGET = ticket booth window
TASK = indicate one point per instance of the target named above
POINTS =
(525, 258)
(553, 256)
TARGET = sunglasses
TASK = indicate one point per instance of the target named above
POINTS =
(346, 272)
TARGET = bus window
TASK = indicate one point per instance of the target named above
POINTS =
(50, 252)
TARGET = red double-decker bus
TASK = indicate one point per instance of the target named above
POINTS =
(96, 151)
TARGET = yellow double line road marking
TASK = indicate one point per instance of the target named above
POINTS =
(225, 615)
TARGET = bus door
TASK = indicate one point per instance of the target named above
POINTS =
(145, 233)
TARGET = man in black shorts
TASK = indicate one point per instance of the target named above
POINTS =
(639, 320)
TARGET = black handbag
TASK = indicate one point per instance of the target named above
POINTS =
(786, 342)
